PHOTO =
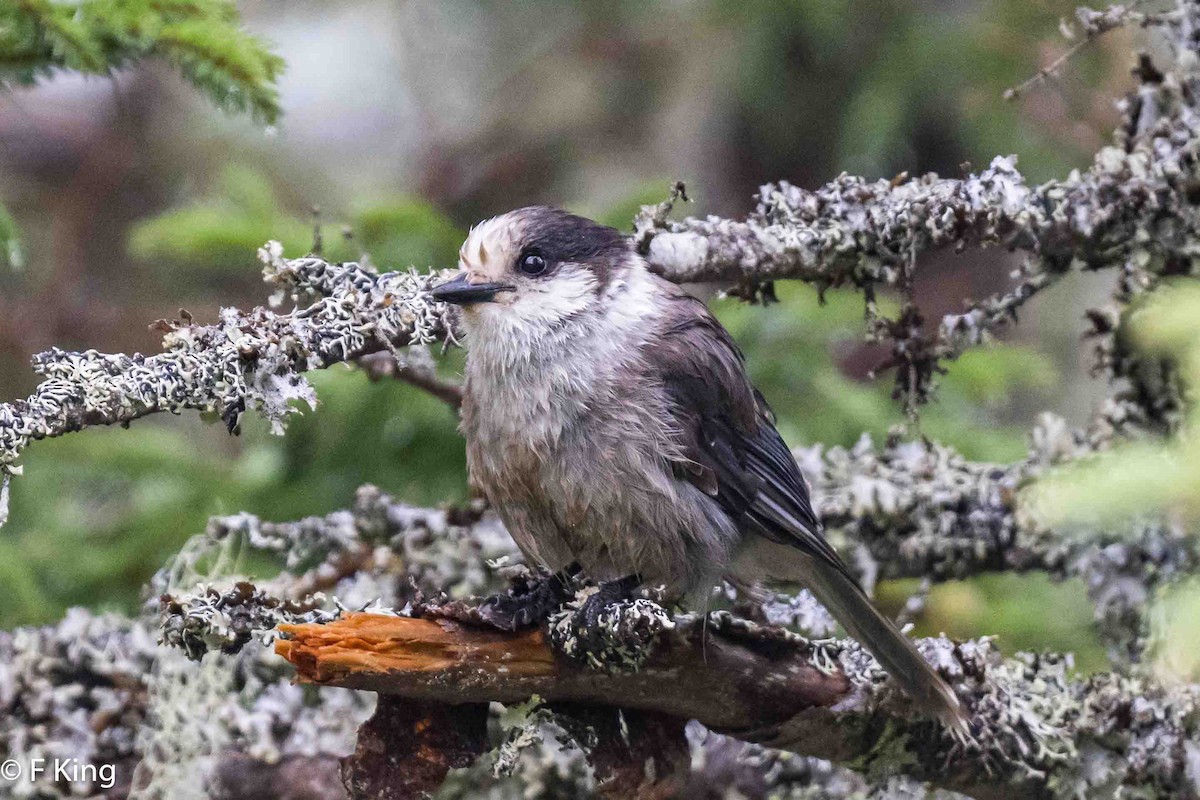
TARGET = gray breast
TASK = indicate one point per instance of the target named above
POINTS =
(574, 454)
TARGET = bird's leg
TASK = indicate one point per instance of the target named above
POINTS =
(521, 607)
(587, 618)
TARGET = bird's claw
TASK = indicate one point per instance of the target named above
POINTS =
(586, 619)
(525, 607)
(509, 612)
(599, 632)
(498, 611)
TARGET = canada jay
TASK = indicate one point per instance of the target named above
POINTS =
(610, 422)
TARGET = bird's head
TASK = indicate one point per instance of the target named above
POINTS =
(532, 270)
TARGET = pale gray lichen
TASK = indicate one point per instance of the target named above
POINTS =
(531, 733)
(921, 510)
(622, 639)
(72, 690)
(1131, 211)
(800, 611)
(212, 723)
(97, 688)
(1037, 727)
(245, 360)
(436, 550)
(207, 619)
(380, 555)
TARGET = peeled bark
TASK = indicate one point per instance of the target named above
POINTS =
(725, 684)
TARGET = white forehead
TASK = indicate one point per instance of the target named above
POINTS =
(491, 245)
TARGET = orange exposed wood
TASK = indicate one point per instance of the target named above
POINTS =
(378, 644)
(725, 683)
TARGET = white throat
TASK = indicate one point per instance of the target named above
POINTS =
(565, 321)
(540, 360)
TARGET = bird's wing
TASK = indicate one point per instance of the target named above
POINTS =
(733, 452)
(731, 448)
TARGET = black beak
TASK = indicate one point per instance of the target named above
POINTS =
(457, 290)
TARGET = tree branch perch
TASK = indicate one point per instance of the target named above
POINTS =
(719, 682)
(1031, 719)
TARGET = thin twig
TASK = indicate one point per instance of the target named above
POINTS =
(384, 364)
(1093, 24)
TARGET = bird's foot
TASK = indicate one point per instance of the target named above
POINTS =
(585, 622)
(529, 603)
(587, 618)
(610, 630)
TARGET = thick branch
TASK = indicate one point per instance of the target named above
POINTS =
(719, 682)
(1029, 717)
(96, 688)
(858, 232)
(904, 509)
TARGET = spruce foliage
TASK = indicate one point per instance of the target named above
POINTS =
(202, 39)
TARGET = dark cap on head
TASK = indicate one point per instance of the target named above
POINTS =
(562, 237)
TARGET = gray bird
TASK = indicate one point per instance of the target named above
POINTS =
(610, 422)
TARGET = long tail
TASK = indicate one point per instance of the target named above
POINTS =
(843, 597)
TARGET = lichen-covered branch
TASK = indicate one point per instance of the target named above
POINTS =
(1132, 210)
(216, 621)
(921, 510)
(1031, 721)
(389, 554)
(97, 688)
(857, 232)
(715, 681)
(246, 360)
(1116, 722)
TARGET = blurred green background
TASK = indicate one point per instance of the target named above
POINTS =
(134, 195)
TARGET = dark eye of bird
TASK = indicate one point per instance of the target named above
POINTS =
(532, 264)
